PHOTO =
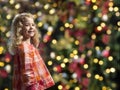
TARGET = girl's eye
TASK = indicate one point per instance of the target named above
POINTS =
(26, 24)
(33, 24)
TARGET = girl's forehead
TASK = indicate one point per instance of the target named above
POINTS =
(28, 20)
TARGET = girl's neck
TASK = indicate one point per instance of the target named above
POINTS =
(27, 41)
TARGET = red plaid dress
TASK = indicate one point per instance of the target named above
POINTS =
(30, 71)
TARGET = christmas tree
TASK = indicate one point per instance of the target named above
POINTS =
(80, 41)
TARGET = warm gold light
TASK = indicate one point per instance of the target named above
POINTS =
(116, 9)
(54, 41)
(75, 51)
(66, 60)
(110, 8)
(95, 7)
(112, 70)
(110, 58)
(63, 65)
(93, 36)
(17, 6)
(93, 1)
(60, 87)
(97, 76)
(77, 88)
(99, 28)
(107, 70)
(58, 58)
(95, 60)
(66, 24)
(40, 24)
(76, 42)
(108, 32)
(101, 62)
(2, 64)
(85, 66)
(88, 75)
(50, 63)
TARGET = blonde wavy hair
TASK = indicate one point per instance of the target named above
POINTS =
(16, 37)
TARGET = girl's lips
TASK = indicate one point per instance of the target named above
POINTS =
(30, 31)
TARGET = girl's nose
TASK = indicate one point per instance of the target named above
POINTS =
(31, 26)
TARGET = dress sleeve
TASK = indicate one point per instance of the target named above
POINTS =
(27, 73)
(43, 71)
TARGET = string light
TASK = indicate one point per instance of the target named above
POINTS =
(2, 64)
(111, 9)
(101, 62)
(116, 9)
(75, 51)
(89, 52)
(95, 7)
(105, 17)
(112, 70)
(65, 60)
(85, 66)
(6, 89)
(66, 25)
(76, 42)
(75, 56)
(119, 29)
(67, 87)
(37, 4)
(40, 24)
(60, 87)
(118, 23)
(11, 1)
(95, 60)
(2, 28)
(9, 16)
(102, 24)
(110, 4)
(117, 14)
(93, 1)
(99, 28)
(107, 70)
(1, 49)
(54, 4)
(93, 36)
(74, 75)
(104, 88)
(71, 26)
(88, 75)
(58, 58)
(50, 63)
(108, 32)
(8, 34)
(61, 28)
(17, 6)
(52, 55)
(97, 48)
(97, 76)
(54, 69)
(52, 11)
(100, 78)
(63, 65)
(71, 55)
(8, 68)
(46, 6)
(77, 88)
(54, 41)
(110, 58)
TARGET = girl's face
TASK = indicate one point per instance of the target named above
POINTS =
(29, 28)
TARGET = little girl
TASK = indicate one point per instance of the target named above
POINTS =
(29, 70)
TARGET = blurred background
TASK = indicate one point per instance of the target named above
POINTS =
(80, 41)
